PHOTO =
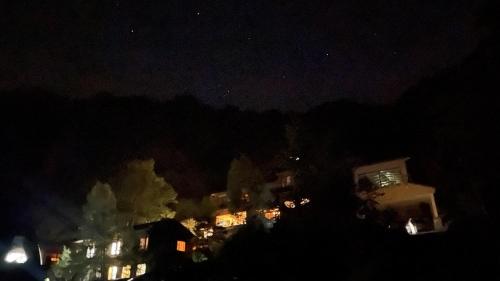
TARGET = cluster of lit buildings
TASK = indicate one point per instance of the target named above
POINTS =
(385, 184)
(225, 222)
(123, 258)
(169, 240)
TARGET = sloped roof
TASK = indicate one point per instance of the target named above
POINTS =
(380, 166)
(170, 226)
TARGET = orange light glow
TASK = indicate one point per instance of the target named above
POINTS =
(143, 243)
(228, 220)
(289, 204)
(181, 246)
(272, 214)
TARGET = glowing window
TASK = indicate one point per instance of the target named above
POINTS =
(289, 204)
(380, 179)
(115, 249)
(112, 272)
(141, 269)
(90, 251)
(411, 227)
(245, 197)
(181, 246)
(143, 243)
(126, 271)
(304, 201)
(207, 232)
(54, 258)
(228, 220)
(272, 214)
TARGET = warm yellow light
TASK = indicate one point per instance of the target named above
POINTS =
(126, 271)
(141, 269)
(272, 214)
(112, 272)
(143, 243)
(116, 247)
(289, 204)
(207, 232)
(304, 201)
(181, 246)
(228, 220)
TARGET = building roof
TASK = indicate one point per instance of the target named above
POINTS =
(170, 226)
(380, 166)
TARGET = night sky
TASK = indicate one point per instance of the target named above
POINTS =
(257, 54)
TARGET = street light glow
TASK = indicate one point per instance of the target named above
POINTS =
(17, 255)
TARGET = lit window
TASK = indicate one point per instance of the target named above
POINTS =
(272, 214)
(112, 272)
(54, 258)
(304, 201)
(245, 197)
(116, 247)
(289, 204)
(181, 246)
(207, 232)
(380, 179)
(126, 271)
(90, 251)
(141, 269)
(143, 243)
(411, 228)
(228, 220)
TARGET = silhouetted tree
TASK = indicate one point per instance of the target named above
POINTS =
(244, 177)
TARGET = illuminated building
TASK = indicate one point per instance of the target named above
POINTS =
(163, 240)
(224, 218)
(387, 184)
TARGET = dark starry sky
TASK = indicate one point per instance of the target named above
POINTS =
(257, 54)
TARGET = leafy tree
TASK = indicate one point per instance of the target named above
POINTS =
(61, 269)
(143, 194)
(244, 177)
(190, 224)
(101, 224)
(190, 208)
